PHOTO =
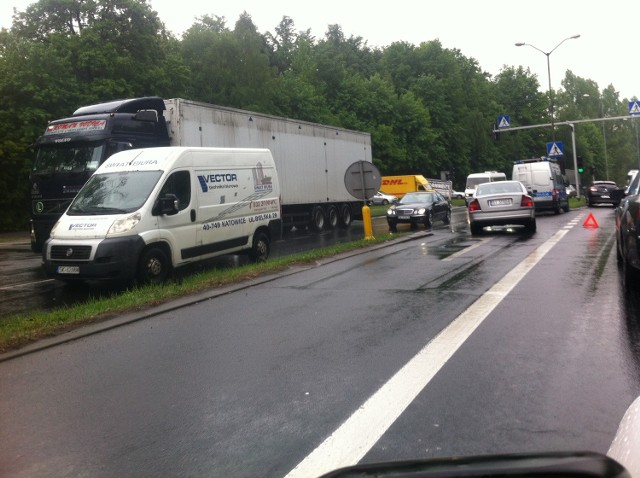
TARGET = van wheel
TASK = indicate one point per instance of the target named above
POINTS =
(317, 219)
(332, 217)
(345, 216)
(153, 267)
(260, 248)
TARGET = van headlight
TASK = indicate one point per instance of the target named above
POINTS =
(52, 234)
(125, 224)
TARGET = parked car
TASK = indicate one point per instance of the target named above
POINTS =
(500, 204)
(383, 198)
(604, 192)
(572, 191)
(457, 194)
(627, 222)
(419, 208)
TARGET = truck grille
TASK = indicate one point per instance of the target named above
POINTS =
(70, 253)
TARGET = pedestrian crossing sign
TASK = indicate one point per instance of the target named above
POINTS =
(503, 122)
(634, 108)
(555, 149)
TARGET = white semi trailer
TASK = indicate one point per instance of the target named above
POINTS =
(311, 159)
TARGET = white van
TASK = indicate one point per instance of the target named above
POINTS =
(478, 178)
(543, 178)
(146, 211)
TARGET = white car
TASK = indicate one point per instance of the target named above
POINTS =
(383, 198)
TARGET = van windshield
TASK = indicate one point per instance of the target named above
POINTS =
(473, 182)
(114, 193)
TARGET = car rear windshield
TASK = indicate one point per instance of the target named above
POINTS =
(498, 188)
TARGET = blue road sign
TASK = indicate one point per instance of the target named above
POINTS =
(555, 150)
(504, 122)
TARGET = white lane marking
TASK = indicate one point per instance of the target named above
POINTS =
(355, 437)
(465, 250)
(25, 284)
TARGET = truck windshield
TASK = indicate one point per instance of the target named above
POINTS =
(68, 158)
(114, 193)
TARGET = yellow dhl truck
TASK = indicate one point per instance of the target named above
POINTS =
(400, 185)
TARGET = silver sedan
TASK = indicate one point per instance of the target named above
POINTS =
(501, 203)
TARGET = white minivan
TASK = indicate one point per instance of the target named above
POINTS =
(147, 211)
(543, 178)
(478, 178)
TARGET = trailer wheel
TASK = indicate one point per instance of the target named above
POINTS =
(260, 248)
(153, 267)
(317, 219)
(345, 216)
(332, 217)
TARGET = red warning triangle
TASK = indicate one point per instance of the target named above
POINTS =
(590, 221)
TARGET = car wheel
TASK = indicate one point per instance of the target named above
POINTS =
(153, 267)
(447, 217)
(530, 226)
(428, 220)
(385, 202)
(618, 253)
(260, 248)
(476, 229)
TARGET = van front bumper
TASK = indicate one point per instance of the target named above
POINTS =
(112, 258)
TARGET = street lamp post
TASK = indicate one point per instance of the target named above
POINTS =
(604, 134)
(548, 54)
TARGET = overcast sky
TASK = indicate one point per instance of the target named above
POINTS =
(487, 31)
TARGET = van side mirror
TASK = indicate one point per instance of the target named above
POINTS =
(166, 205)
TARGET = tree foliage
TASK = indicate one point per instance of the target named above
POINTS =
(428, 108)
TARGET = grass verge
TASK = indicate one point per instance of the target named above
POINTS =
(19, 330)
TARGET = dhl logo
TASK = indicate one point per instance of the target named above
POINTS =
(392, 182)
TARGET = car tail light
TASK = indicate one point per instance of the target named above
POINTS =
(474, 205)
(526, 201)
(554, 194)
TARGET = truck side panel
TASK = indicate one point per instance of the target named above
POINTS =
(311, 159)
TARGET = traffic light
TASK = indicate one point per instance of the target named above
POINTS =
(580, 165)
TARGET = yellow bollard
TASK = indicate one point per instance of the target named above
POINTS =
(366, 219)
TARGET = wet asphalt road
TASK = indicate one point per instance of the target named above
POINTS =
(24, 287)
(252, 382)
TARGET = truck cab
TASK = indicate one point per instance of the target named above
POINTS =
(71, 149)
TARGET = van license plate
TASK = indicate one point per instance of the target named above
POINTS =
(605, 196)
(68, 270)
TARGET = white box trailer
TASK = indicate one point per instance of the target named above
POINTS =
(311, 159)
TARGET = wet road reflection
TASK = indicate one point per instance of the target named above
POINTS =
(24, 287)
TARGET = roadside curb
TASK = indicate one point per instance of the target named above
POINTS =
(135, 316)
